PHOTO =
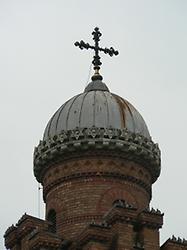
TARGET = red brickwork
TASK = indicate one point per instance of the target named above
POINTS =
(99, 204)
(125, 235)
(89, 188)
(17, 237)
(151, 238)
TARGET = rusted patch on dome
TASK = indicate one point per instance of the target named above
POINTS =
(121, 109)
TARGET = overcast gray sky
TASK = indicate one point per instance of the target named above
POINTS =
(40, 69)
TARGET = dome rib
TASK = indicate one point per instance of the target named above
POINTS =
(121, 109)
(131, 114)
(80, 115)
(100, 110)
(94, 107)
(107, 108)
(67, 119)
(61, 109)
(87, 110)
(114, 113)
(126, 104)
(48, 128)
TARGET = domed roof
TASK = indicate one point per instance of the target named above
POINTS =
(100, 122)
(96, 107)
(96, 122)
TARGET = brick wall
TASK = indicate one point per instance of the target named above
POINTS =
(83, 190)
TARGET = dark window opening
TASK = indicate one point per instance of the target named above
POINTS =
(138, 237)
(51, 217)
(119, 203)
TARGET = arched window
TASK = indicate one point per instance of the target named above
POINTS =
(51, 217)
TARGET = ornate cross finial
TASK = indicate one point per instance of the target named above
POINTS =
(96, 59)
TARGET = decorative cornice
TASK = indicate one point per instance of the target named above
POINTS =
(29, 217)
(82, 218)
(175, 241)
(178, 240)
(128, 214)
(124, 214)
(151, 218)
(45, 240)
(153, 211)
(111, 142)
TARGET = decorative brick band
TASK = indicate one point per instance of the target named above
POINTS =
(107, 175)
(83, 218)
(119, 143)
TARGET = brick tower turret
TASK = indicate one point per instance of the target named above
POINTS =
(97, 164)
(96, 154)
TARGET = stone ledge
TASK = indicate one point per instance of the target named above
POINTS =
(151, 218)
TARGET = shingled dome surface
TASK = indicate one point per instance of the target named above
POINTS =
(96, 107)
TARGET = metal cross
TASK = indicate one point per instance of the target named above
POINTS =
(96, 58)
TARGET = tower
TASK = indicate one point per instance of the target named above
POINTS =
(96, 163)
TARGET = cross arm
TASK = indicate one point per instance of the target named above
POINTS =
(96, 58)
(110, 51)
(83, 45)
